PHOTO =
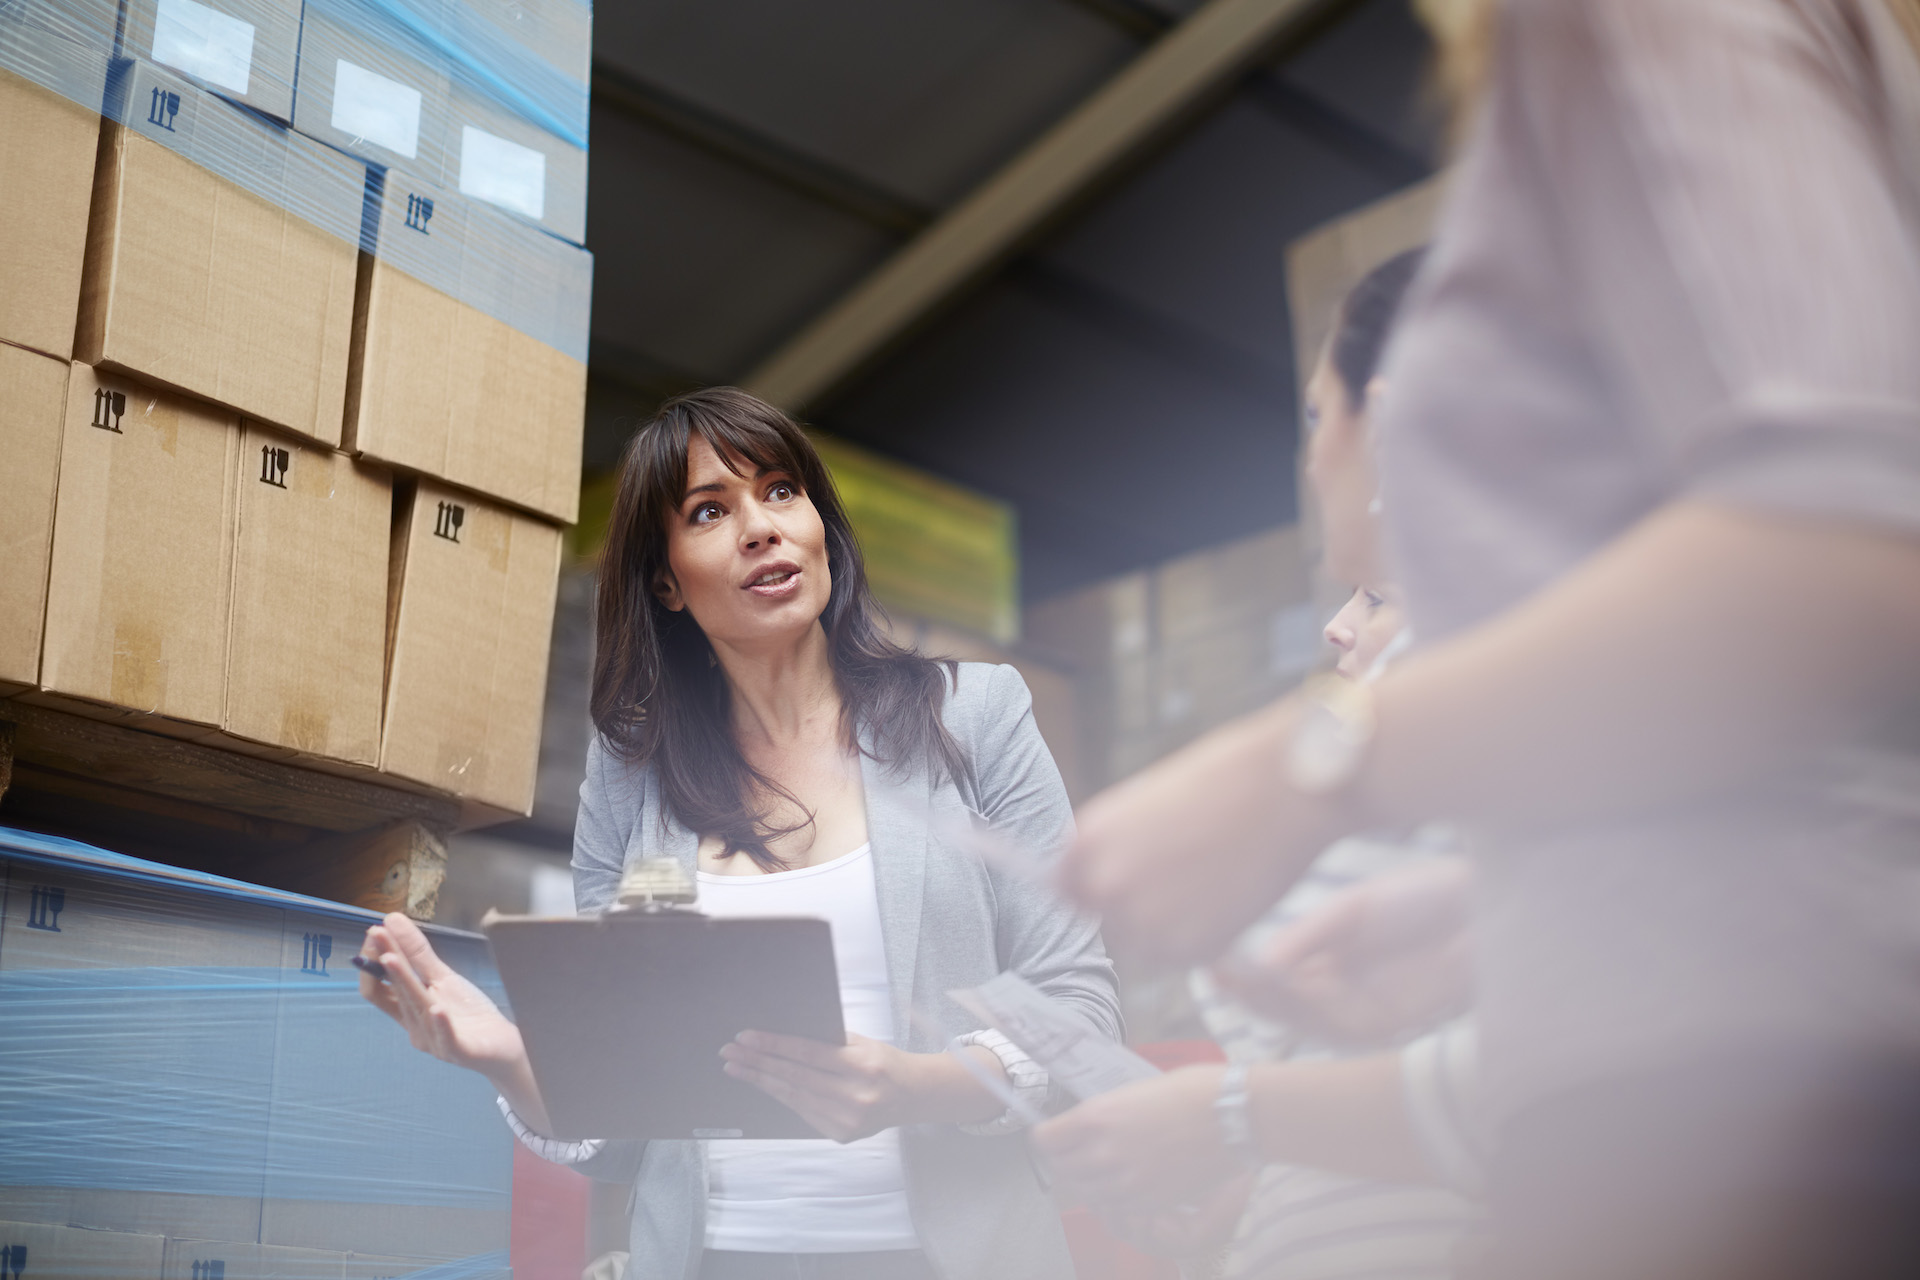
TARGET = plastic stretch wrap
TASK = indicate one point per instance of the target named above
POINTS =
(181, 1053)
(473, 109)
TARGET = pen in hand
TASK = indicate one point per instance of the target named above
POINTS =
(373, 968)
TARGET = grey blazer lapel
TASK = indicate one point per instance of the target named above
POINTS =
(659, 834)
(897, 813)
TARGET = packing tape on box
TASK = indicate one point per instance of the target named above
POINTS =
(167, 1031)
(478, 54)
(464, 113)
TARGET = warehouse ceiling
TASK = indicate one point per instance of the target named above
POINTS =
(1122, 373)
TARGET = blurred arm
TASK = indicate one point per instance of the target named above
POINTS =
(1706, 648)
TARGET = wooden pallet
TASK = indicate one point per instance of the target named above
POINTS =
(267, 821)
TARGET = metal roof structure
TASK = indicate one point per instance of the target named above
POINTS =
(1033, 246)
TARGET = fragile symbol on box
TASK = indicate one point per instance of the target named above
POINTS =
(108, 408)
(164, 107)
(13, 1261)
(316, 950)
(419, 213)
(273, 466)
(44, 908)
(214, 1269)
(447, 523)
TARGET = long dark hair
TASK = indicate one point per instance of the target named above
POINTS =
(658, 696)
(1366, 319)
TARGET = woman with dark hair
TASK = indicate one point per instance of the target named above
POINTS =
(755, 723)
(1338, 1159)
(1652, 472)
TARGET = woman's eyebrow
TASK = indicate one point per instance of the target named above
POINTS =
(719, 486)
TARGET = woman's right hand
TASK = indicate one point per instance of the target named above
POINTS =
(446, 1015)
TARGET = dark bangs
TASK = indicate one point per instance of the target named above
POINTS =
(659, 699)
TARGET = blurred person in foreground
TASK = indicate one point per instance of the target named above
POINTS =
(1160, 1157)
(756, 724)
(1651, 476)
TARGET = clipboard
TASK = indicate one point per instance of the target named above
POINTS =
(624, 1015)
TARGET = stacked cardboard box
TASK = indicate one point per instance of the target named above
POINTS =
(486, 98)
(296, 492)
(198, 538)
(190, 1058)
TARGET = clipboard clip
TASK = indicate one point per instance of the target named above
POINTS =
(654, 886)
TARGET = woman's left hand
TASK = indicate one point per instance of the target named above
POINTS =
(1144, 1147)
(847, 1092)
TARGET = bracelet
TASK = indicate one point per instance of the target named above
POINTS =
(1230, 1110)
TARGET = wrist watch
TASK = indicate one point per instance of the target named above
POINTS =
(1230, 1110)
(1331, 733)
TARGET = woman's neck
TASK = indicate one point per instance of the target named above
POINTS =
(782, 695)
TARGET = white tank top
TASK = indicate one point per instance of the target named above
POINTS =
(813, 1195)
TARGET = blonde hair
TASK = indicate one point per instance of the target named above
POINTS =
(1464, 32)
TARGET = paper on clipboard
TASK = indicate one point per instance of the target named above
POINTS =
(1074, 1054)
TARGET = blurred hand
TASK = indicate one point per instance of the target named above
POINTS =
(1183, 855)
(1385, 958)
(847, 1092)
(1143, 1148)
(444, 1014)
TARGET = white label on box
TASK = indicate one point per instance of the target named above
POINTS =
(373, 108)
(204, 42)
(503, 173)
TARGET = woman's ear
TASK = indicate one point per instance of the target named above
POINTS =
(667, 591)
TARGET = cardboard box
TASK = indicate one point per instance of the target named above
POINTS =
(33, 409)
(141, 570)
(558, 33)
(222, 1260)
(32, 1250)
(469, 349)
(50, 93)
(377, 92)
(240, 49)
(91, 24)
(446, 1197)
(307, 648)
(150, 1212)
(468, 632)
(496, 155)
(221, 255)
(224, 1081)
(145, 998)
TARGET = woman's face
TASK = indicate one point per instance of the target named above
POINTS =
(1363, 628)
(746, 554)
(1340, 469)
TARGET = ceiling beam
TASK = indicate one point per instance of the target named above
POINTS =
(749, 149)
(1327, 123)
(1135, 17)
(1177, 74)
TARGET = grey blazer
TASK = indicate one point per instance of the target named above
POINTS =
(947, 921)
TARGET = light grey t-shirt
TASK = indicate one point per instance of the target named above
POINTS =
(1681, 257)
